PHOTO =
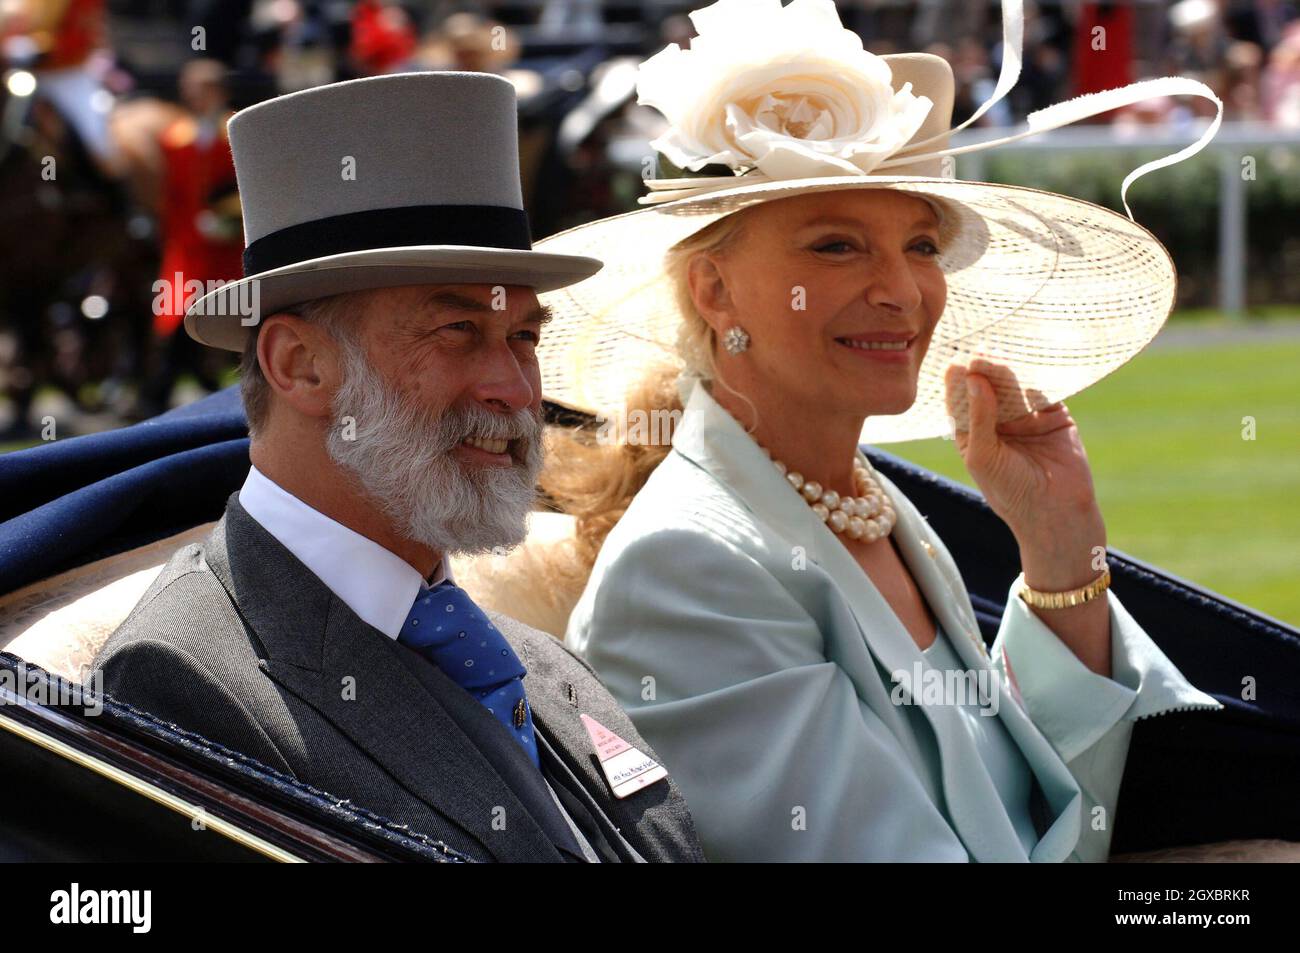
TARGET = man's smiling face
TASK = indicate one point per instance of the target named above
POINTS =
(438, 415)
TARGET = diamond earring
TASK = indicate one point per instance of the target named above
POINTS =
(735, 340)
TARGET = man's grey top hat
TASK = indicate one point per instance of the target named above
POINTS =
(404, 179)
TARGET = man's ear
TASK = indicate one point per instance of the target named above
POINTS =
(710, 292)
(300, 362)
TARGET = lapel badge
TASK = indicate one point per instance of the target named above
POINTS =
(627, 769)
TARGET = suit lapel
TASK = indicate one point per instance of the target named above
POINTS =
(506, 758)
(604, 837)
(578, 771)
(318, 649)
(714, 440)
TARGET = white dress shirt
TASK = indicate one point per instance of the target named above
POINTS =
(374, 582)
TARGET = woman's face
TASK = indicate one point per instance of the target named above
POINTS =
(812, 279)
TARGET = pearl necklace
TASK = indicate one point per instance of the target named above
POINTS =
(869, 516)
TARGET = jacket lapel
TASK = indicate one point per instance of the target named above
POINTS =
(602, 834)
(714, 440)
(576, 769)
(317, 648)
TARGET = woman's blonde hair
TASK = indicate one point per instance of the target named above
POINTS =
(594, 478)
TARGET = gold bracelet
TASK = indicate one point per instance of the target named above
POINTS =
(1062, 600)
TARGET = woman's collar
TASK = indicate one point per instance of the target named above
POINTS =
(711, 438)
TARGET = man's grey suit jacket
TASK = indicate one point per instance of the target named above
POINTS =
(239, 641)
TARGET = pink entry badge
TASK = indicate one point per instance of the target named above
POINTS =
(626, 768)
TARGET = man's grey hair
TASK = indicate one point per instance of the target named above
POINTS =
(338, 314)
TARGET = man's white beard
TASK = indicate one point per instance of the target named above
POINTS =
(401, 456)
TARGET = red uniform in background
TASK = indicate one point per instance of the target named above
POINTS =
(202, 237)
(383, 37)
(1108, 67)
(65, 33)
(79, 33)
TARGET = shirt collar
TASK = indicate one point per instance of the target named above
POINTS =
(374, 582)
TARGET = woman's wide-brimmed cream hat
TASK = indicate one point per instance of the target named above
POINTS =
(784, 101)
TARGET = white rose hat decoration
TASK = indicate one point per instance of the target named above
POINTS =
(785, 90)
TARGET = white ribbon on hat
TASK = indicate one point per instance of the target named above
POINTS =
(1039, 121)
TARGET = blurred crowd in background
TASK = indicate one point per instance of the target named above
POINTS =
(115, 171)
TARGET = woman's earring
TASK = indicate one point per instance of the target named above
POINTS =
(735, 340)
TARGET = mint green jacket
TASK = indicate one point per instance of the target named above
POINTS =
(755, 656)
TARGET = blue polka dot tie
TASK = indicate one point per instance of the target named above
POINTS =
(446, 627)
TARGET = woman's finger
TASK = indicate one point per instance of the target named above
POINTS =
(983, 416)
(1042, 421)
(954, 383)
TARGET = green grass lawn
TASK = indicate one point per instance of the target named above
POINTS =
(1179, 486)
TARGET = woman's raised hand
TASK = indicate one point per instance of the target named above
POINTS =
(1033, 470)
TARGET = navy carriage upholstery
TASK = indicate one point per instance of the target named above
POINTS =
(93, 518)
